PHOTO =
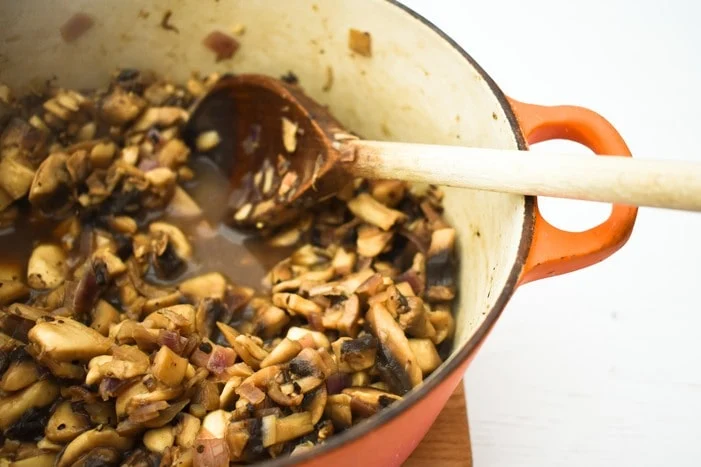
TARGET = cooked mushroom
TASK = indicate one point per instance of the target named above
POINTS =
(159, 439)
(175, 236)
(368, 401)
(186, 430)
(52, 184)
(210, 285)
(372, 241)
(355, 354)
(285, 351)
(41, 460)
(440, 265)
(426, 354)
(373, 212)
(169, 367)
(443, 322)
(65, 424)
(19, 375)
(103, 437)
(249, 351)
(13, 406)
(402, 370)
(121, 107)
(65, 340)
(47, 267)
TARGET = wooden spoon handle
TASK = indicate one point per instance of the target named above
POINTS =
(613, 179)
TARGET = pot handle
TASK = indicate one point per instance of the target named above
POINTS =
(555, 251)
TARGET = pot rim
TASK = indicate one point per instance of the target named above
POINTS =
(469, 348)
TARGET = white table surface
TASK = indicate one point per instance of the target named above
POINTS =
(602, 366)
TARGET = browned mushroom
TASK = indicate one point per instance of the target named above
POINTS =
(65, 424)
(440, 265)
(19, 375)
(65, 340)
(89, 440)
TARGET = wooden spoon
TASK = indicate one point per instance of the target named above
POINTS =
(285, 152)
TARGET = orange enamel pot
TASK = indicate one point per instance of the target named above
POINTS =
(418, 86)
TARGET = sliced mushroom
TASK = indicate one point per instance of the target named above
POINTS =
(120, 107)
(285, 351)
(51, 188)
(440, 265)
(355, 354)
(443, 322)
(12, 291)
(400, 365)
(15, 177)
(211, 448)
(279, 430)
(372, 241)
(97, 438)
(186, 430)
(19, 375)
(65, 424)
(368, 401)
(210, 285)
(318, 339)
(39, 394)
(249, 351)
(47, 267)
(65, 340)
(388, 192)
(426, 355)
(296, 304)
(173, 318)
(175, 236)
(41, 460)
(373, 212)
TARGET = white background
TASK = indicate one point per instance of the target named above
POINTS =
(603, 366)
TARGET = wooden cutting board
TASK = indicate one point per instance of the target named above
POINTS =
(447, 444)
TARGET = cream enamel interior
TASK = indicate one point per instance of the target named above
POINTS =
(416, 87)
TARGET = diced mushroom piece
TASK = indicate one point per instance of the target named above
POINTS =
(309, 255)
(12, 291)
(249, 351)
(160, 116)
(207, 140)
(355, 354)
(210, 285)
(186, 430)
(15, 177)
(175, 236)
(29, 313)
(400, 365)
(285, 351)
(39, 394)
(40, 460)
(289, 135)
(426, 355)
(52, 184)
(19, 375)
(24, 140)
(347, 323)
(102, 437)
(309, 362)
(125, 362)
(104, 316)
(270, 321)
(296, 304)
(229, 333)
(98, 456)
(113, 265)
(102, 153)
(290, 427)
(65, 424)
(338, 409)
(367, 401)
(372, 241)
(211, 448)
(318, 339)
(443, 322)
(173, 154)
(440, 265)
(416, 275)
(47, 267)
(168, 367)
(159, 439)
(65, 340)
(173, 318)
(373, 212)
(412, 315)
(120, 107)
(343, 262)
(182, 206)
(125, 397)
(388, 192)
